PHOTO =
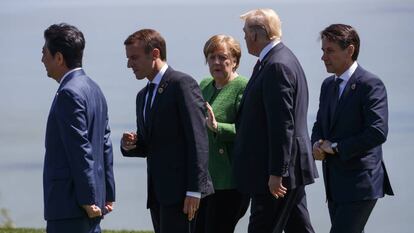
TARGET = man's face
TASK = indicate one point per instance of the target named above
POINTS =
(142, 64)
(50, 62)
(249, 38)
(336, 59)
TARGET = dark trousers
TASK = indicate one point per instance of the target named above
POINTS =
(78, 225)
(170, 219)
(350, 217)
(220, 212)
(288, 214)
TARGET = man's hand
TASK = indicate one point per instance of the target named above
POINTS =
(191, 205)
(93, 211)
(326, 146)
(318, 153)
(276, 187)
(129, 140)
(109, 206)
(211, 119)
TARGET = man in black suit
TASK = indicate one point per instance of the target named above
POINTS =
(273, 156)
(171, 134)
(351, 126)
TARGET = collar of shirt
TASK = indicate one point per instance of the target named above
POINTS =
(266, 49)
(157, 79)
(69, 72)
(346, 76)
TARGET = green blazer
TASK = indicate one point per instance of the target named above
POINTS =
(225, 103)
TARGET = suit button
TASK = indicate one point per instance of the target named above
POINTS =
(221, 151)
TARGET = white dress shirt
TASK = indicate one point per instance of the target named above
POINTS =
(67, 73)
(346, 76)
(266, 49)
(157, 79)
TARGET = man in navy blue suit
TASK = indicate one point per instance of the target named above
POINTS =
(351, 126)
(272, 153)
(171, 134)
(78, 179)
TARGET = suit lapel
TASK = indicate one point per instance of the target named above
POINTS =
(140, 111)
(254, 76)
(327, 124)
(64, 82)
(349, 90)
(159, 95)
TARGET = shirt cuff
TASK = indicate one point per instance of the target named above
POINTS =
(194, 194)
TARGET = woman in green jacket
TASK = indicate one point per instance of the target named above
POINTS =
(220, 212)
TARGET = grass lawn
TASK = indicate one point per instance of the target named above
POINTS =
(28, 230)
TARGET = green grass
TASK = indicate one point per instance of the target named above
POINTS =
(29, 230)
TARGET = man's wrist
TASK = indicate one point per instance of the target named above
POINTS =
(334, 147)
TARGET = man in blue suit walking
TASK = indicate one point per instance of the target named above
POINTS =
(78, 179)
(351, 126)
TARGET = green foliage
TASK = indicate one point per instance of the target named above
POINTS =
(28, 230)
(5, 220)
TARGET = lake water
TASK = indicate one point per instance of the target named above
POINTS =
(385, 27)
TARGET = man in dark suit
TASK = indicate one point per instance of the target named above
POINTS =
(171, 134)
(78, 179)
(273, 157)
(351, 125)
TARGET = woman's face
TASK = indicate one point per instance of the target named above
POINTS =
(221, 63)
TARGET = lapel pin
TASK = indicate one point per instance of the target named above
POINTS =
(353, 86)
(162, 88)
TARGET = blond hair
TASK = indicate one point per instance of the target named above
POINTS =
(266, 19)
(218, 41)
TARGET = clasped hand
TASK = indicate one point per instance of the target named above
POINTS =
(94, 211)
(321, 149)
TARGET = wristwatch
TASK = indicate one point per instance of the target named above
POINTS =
(334, 147)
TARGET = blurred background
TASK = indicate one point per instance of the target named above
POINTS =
(385, 27)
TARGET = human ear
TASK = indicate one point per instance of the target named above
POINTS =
(351, 50)
(59, 58)
(156, 53)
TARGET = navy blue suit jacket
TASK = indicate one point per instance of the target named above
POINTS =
(176, 143)
(272, 133)
(78, 160)
(360, 127)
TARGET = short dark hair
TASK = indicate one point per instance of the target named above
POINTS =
(343, 35)
(151, 39)
(67, 40)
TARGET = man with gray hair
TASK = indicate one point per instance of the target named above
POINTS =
(273, 157)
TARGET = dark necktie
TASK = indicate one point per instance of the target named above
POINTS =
(335, 98)
(150, 91)
(256, 68)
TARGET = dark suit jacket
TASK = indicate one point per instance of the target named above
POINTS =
(360, 126)
(78, 160)
(176, 144)
(272, 134)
